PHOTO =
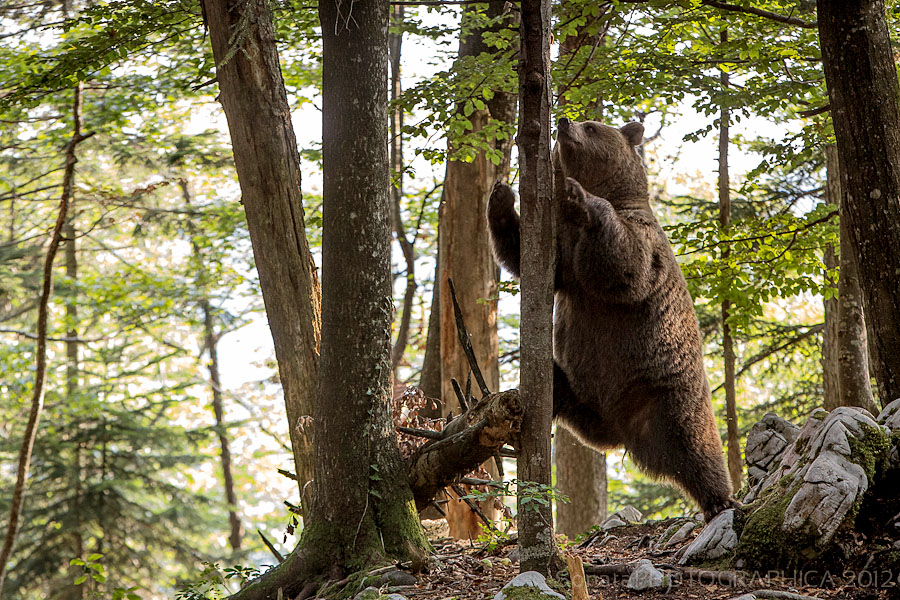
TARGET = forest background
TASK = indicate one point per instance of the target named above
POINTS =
(164, 439)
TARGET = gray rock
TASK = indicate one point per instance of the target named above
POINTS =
(530, 579)
(766, 443)
(628, 514)
(683, 532)
(370, 593)
(646, 577)
(744, 597)
(833, 480)
(890, 416)
(819, 480)
(717, 539)
(612, 523)
(398, 577)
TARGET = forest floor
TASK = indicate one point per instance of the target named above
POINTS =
(477, 570)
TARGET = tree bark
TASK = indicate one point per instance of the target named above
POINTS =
(466, 258)
(850, 356)
(361, 509)
(735, 464)
(862, 86)
(538, 233)
(40, 371)
(363, 484)
(580, 470)
(268, 166)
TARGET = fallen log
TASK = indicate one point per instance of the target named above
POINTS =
(476, 436)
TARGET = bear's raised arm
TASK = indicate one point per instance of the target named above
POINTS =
(612, 256)
(503, 223)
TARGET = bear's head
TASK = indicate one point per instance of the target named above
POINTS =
(604, 160)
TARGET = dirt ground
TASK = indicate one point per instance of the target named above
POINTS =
(476, 571)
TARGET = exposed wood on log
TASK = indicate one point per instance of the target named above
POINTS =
(477, 435)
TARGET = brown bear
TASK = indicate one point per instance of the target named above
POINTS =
(627, 347)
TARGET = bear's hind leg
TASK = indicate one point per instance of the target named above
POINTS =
(688, 454)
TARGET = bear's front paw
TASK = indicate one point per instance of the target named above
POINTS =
(574, 208)
(501, 204)
(574, 192)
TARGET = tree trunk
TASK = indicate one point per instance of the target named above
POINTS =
(71, 591)
(37, 396)
(361, 509)
(580, 475)
(212, 341)
(580, 470)
(362, 505)
(862, 86)
(409, 251)
(465, 257)
(850, 381)
(430, 378)
(538, 234)
(735, 464)
(268, 166)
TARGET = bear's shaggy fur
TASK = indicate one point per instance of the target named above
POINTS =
(629, 366)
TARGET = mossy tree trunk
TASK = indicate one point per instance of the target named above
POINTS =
(362, 504)
(360, 508)
(861, 75)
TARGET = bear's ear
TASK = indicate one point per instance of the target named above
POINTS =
(633, 132)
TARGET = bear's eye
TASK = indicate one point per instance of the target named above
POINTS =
(590, 128)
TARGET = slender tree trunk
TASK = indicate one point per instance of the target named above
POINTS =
(211, 343)
(861, 75)
(430, 378)
(72, 388)
(268, 166)
(831, 385)
(37, 396)
(850, 384)
(735, 465)
(465, 257)
(580, 470)
(538, 231)
(409, 252)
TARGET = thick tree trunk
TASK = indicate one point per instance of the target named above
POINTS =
(465, 257)
(361, 508)
(735, 464)
(862, 86)
(268, 166)
(538, 232)
(362, 500)
(850, 381)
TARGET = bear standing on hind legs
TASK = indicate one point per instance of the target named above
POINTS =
(629, 365)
